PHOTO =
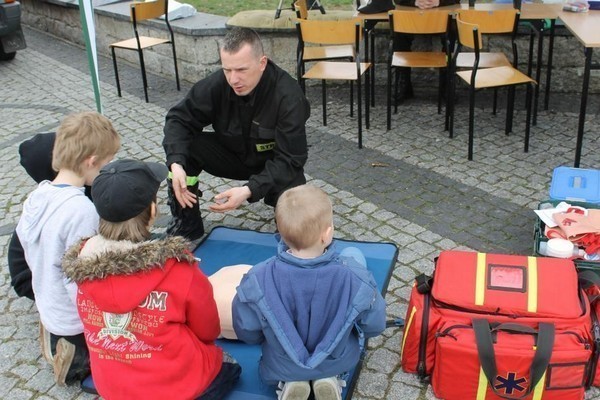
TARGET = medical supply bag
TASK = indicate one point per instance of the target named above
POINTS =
(492, 326)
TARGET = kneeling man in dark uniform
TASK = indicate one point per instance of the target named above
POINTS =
(258, 113)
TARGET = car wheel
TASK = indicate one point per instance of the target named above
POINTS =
(6, 56)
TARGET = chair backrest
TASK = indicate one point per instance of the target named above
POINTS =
(469, 34)
(301, 9)
(491, 22)
(419, 22)
(147, 10)
(330, 32)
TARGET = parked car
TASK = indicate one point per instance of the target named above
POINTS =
(11, 34)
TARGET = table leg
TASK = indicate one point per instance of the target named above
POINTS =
(549, 67)
(370, 54)
(538, 72)
(537, 29)
(372, 59)
(530, 52)
(584, 95)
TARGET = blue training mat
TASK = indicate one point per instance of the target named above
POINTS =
(227, 246)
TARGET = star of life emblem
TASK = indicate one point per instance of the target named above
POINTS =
(510, 383)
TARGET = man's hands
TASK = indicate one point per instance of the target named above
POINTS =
(226, 201)
(230, 199)
(184, 197)
(425, 4)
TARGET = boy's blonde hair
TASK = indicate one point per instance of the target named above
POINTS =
(135, 229)
(302, 215)
(82, 135)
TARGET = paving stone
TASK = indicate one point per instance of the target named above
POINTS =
(373, 384)
(42, 381)
(384, 361)
(6, 385)
(20, 394)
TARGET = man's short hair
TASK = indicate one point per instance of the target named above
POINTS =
(302, 214)
(80, 136)
(237, 37)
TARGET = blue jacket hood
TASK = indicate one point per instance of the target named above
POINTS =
(308, 306)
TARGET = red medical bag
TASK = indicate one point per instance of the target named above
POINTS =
(517, 300)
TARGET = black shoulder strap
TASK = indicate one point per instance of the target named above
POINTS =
(424, 283)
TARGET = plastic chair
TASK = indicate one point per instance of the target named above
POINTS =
(490, 23)
(318, 53)
(430, 22)
(477, 78)
(326, 33)
(141, 11)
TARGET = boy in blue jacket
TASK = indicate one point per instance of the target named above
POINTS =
(303, 304)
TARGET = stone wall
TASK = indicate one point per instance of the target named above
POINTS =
(195, 37)
(196, 41)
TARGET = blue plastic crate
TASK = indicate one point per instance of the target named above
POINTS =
(575, 184)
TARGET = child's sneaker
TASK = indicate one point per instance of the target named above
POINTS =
(294, 390)
(45, 344)
(65, 351)
(328, 388)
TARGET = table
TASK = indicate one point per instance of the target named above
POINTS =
(535, 13)
(585, 27)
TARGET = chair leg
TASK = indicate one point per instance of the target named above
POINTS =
(389, 97)
(114, 58)
(495, 103)
(302, 81)
(471, 121)
(449, 99)
(440, 91)
(450, 102)
(143, 67)
(359, 101)
(176, 69)
(352, 98)
(396, 83)
(528, 118)
(367, 98)
(324, 98)
(510, 110)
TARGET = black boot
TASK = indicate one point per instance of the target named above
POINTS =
(186, 222)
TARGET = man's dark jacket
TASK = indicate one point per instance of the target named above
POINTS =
(265, 129)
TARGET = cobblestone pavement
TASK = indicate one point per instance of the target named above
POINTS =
(412, 186)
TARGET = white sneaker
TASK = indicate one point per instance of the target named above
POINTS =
(328, 388)
(45, 344)
(65, 352)
(293, 390)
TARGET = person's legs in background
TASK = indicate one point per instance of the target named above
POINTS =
(403, 42)
(208, 154)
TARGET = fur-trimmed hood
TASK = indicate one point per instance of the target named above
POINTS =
(120, 274)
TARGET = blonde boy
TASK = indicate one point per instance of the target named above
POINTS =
(55, 215)
(302, 304)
